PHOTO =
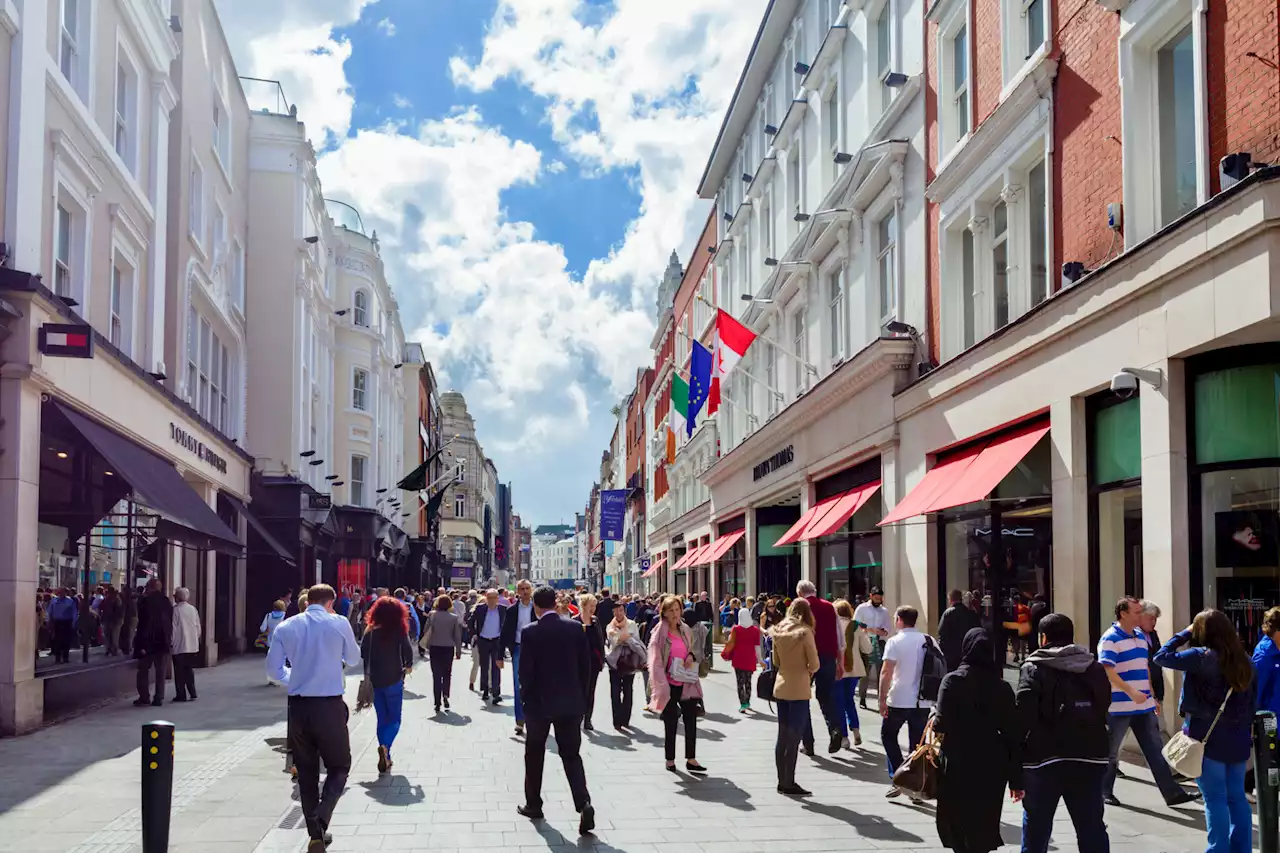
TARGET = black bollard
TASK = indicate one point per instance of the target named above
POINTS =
(157, 785)
(1266, 768)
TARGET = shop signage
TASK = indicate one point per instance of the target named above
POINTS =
(69, 340)
(319, 501)
(785, 456)
(613, 513)
(197, 447)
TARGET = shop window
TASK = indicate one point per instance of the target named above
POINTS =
(851, 559)
(1115, 506)
(1236, 414)
(1240, 518)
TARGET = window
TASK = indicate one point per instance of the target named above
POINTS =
(771, 379)
(831, 119)
(836, 313)
(219, 230)
(954, 80)
(126, 112)
(195, 212)
(358, 476)
(766, 221)
(120, 323)
(359, 390)
(459, 506)
(1000, 262)
(800, 346)
(462, 470)
(1033, 14)
(833, 10)
(1038, 202)
(1175, 108)
(237, 275)
(62, 276)
(887, 266)
(361, 308)
(73, 44)
(968, 296)
(884, 49)
(209, 373)
(193, 356)
(221, 132)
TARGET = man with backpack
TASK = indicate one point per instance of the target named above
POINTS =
(912, 672)
(1063, 699)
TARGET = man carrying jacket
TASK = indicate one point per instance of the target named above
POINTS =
(1063, 699)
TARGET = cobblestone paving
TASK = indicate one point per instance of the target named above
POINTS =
(458, 778)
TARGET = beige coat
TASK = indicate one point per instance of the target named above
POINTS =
(795, 656)
(857, 643)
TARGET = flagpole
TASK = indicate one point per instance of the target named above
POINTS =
(739, 369)
(807, 364)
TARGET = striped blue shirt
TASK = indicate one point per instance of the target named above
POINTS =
(1127, 655)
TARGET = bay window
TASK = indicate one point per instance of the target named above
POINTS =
(360, 389)
(358, 476)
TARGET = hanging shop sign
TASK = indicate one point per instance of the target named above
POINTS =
(68, 340)
(785, 456)
(613, 514)
(197, 447)
(319, 501)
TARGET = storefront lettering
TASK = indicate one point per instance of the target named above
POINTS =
(197, 447)
(1019, 531)
(354, 265)
(783, 457)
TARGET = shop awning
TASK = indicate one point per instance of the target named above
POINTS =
(683, 562)
(840, 509)
(969, 476)
(252, 520)
(700, 557)
(655, 567)
(185, 517)
(809, 517)
(721, 546)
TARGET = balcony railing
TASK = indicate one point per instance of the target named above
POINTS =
(464, 556)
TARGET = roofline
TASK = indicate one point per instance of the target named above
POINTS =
(733, 102)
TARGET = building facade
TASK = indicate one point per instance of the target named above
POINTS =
(462, 519)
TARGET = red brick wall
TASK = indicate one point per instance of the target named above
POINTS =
(1244, 91)
(988, 74)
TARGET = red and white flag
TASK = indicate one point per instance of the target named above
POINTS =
(732, 341)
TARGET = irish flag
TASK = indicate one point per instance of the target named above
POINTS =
(732, 342)
(679, 414)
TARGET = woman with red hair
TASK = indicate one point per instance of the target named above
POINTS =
(388, 658)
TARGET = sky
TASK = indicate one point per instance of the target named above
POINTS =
(529, 166)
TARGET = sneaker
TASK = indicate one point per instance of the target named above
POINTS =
(894, 791)
(742, 709)
(857, 737)
(844, 743)
(834, 746)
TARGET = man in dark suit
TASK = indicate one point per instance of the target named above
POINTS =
(554, 674)
(486, 631)
(152, 641)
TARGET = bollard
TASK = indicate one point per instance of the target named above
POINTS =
(1266, 767)
(157, 785)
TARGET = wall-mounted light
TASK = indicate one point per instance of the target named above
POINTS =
(62, 454)
(339, 482)
(843, 157)
(68, 301)
(158, 376)
(763, 300)
(801, 68)
(382, 491)
(711, 249)
(898, 327)
(746, 179)
(770, 130)
(1073, 271)
(801, 217)
(398, 366)
(770, 262)
(331, 477)
(895, 79)
(728, 217)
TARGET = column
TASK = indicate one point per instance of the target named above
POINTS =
(24, 219)
(751, 551)
(808, 557)
(1070, 488)
(21, 693)
(163, 100)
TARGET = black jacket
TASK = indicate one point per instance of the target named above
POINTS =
(510, 619)
(1154, 670)
(595, 642)
(154, 633)
(956, 621)
(704, 611)
(475, 622)
(553, 668)
(386, 656)
(1063, 699)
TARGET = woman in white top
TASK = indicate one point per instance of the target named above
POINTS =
(622, 675)
(185, 645)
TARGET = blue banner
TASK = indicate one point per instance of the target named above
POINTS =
(613, 514)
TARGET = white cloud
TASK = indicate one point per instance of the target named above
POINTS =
(555, 167)
(401, 101)
(387, 27)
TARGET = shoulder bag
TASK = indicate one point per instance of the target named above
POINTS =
(1184, 753)
(918, 775)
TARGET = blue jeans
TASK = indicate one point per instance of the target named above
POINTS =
(515, 683)
(845, 693)
(1147, 732)
(1227, 814)
(387, 703)
(1079, 786)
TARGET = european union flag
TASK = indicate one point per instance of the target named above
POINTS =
(699, 381)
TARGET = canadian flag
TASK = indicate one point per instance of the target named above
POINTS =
(732, 342)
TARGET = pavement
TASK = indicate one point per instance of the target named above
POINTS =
(458, 779)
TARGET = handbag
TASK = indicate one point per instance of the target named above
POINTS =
(1184, 753)
(918, 775)
(764, 684)
(364, 695)
(263, 642)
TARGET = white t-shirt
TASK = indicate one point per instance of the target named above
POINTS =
(872, 616)
(906, 650)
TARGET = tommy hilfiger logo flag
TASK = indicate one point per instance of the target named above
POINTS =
(66, 340)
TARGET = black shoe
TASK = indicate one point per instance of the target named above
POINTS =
(1184, 798)
(157, 702)
(179, 698)
(587, 727)
(793, 790)
(142, 702)
(863, 705)
(1110, 799)
(807, 749)
(193, 696)
(834, 746)
(446, 703)
(497, 700)
(587, 821)
(484, 695)
(694, 768)
(437, 709)
(525, 811)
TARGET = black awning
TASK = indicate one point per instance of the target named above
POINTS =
(272, 542)
(415, 480)
(184, 516)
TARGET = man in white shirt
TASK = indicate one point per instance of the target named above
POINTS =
(873, 616)
(517, 618)
(318, 644)
(900, 701)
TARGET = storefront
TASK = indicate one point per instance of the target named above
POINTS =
(729, 558)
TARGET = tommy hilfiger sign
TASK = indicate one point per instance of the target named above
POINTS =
(785, 456)
(198, 447)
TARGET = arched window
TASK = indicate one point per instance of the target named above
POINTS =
(362, 308)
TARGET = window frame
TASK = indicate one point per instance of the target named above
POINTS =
(358, 483)
(799, 323)
(1017, 54)
(360, 308)
(127, 66)
(878, 66)
(360, 389)
(835, 293)
(955, 124)
(80, 38)
(886, 248)
(237, 276)
(196, 190)
(222, 130)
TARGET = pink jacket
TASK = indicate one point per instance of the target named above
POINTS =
(659, 654)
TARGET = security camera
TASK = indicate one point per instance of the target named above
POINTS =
(1124, 385)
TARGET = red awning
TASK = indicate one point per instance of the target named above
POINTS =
(722, 545)
(699, 556)
(969, 476)
(684, 561)
(809, 516)
(655, 567)
(841, 509)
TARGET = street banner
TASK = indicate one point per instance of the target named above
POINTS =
(613, 514)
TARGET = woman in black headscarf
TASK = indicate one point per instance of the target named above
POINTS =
(977, 717)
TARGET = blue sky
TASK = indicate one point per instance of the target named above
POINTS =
(529, 166)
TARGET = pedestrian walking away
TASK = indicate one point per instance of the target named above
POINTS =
(486, 628)
(111, 613)
(744, 651)
(956, 623)
(795, 657)
(443, 633)
(1217, 706)
(152, 641)
(854, 651)
(554, 674)
(981, 749)
(905, 696)
(1063, 697)
(827, 636)
(387, 653)
(673, 676)
(591, 627)
(186, 645)
(317, 644)
(62, 614)
(519, 616)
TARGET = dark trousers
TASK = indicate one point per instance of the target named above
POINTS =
(591, 696)
(146, 663)
(184, 675)
(490, 657)
(914, 719)
(744, 685)
(621, 696)
(441, 670)
(793, 722)
(568, 744)
(824, 681)
(676, 709)
(873, 675)
(318, 733)
(1146, 731)
(64, 637)
(1076, 784)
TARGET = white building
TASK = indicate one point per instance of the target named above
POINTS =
(553, 558)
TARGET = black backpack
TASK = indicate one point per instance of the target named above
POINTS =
(933, 668)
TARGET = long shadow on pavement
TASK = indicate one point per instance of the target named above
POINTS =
(867, 825)
(714, 789)
(394, 791)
